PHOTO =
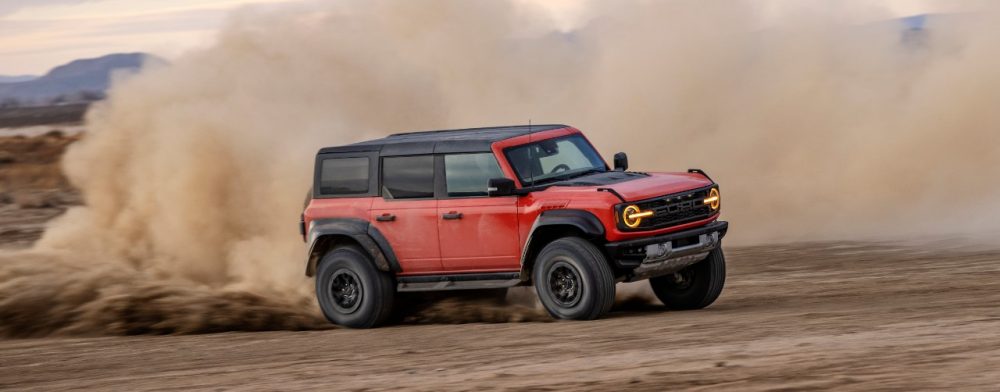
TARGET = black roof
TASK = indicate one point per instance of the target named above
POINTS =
(443, 141)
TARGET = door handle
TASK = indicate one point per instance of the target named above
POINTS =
(453, 215)
(385, 218)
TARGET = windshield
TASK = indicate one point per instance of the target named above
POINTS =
(554, 160)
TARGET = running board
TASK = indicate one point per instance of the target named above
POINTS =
(458, 281)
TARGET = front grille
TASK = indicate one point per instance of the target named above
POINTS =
(675, 209)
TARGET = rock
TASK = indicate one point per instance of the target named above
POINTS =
(7, 157)
(55, 134)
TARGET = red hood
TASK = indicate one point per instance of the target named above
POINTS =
(659, 184)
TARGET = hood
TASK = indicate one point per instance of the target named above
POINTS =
(640, 186)
(659, 184)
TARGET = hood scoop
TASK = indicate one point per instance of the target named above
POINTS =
(605, 178)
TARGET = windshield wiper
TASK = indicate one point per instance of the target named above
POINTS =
(564, 177)
(569, 176)
(589, 172)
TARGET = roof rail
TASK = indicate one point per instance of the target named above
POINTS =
(475, 129)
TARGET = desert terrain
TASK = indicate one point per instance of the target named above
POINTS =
(32, 187)
(800, 316)
(847, 316)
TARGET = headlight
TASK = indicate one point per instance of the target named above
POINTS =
(713, 200)
(632, 216)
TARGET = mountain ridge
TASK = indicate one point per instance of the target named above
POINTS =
(16, 78)
(80, 80)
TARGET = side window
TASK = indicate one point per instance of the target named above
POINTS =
(344, 176)
(408, 177)
(467, 174)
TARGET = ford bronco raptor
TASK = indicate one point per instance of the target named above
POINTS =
(492, 208)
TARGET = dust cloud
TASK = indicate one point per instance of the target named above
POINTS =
(820, 120)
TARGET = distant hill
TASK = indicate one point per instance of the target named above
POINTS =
(16, 78)
(78, 81)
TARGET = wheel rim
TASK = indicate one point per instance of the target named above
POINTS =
(564, 284)
(346, 290)
(683, 279)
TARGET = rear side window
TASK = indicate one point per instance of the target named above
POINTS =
(468, 174)
(344, 176)
(408, 177)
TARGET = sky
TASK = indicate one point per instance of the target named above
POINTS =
(36, 35)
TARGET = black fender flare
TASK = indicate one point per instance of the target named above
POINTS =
(584, 221)
(321, 231)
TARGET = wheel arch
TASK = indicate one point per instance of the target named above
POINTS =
(327, 234)
(554, 224)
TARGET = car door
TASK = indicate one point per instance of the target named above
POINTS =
(406, 214)
(477, 233)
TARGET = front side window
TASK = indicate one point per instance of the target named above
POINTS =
(344, 176)
(468, 174)
(408, 177)
(554, 160)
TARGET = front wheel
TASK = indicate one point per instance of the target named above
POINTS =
(573, 280)
(694, 287)
(351, 291)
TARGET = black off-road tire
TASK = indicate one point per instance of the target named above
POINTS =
(694, 287)
(574, 261)
(343, 267)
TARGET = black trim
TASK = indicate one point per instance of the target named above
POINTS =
(458, 277)
(522, 129)
(361, 232)
(613, 192)
(702, 172)
(440, 185)
(534, 188)
(349, 226)
(651, 199)
(615, 248)
(603, 178)
(524, 190)
(442, 141)
(621, 207)
(390, 255)
(586, 221)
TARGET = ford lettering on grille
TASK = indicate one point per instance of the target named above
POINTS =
(675, 209)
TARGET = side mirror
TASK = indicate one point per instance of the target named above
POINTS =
(500, 187)
(621, 162)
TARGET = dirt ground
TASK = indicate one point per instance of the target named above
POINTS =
(846, 316)
(20, 117)
(849, 316)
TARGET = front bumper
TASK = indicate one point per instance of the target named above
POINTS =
(649, 257)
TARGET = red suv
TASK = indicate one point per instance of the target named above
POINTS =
(492, 208)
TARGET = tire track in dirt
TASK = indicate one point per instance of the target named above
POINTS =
(851, 316)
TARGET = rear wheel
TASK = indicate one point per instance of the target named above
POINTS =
(573, 280)
(351, 291)
(694, 287)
